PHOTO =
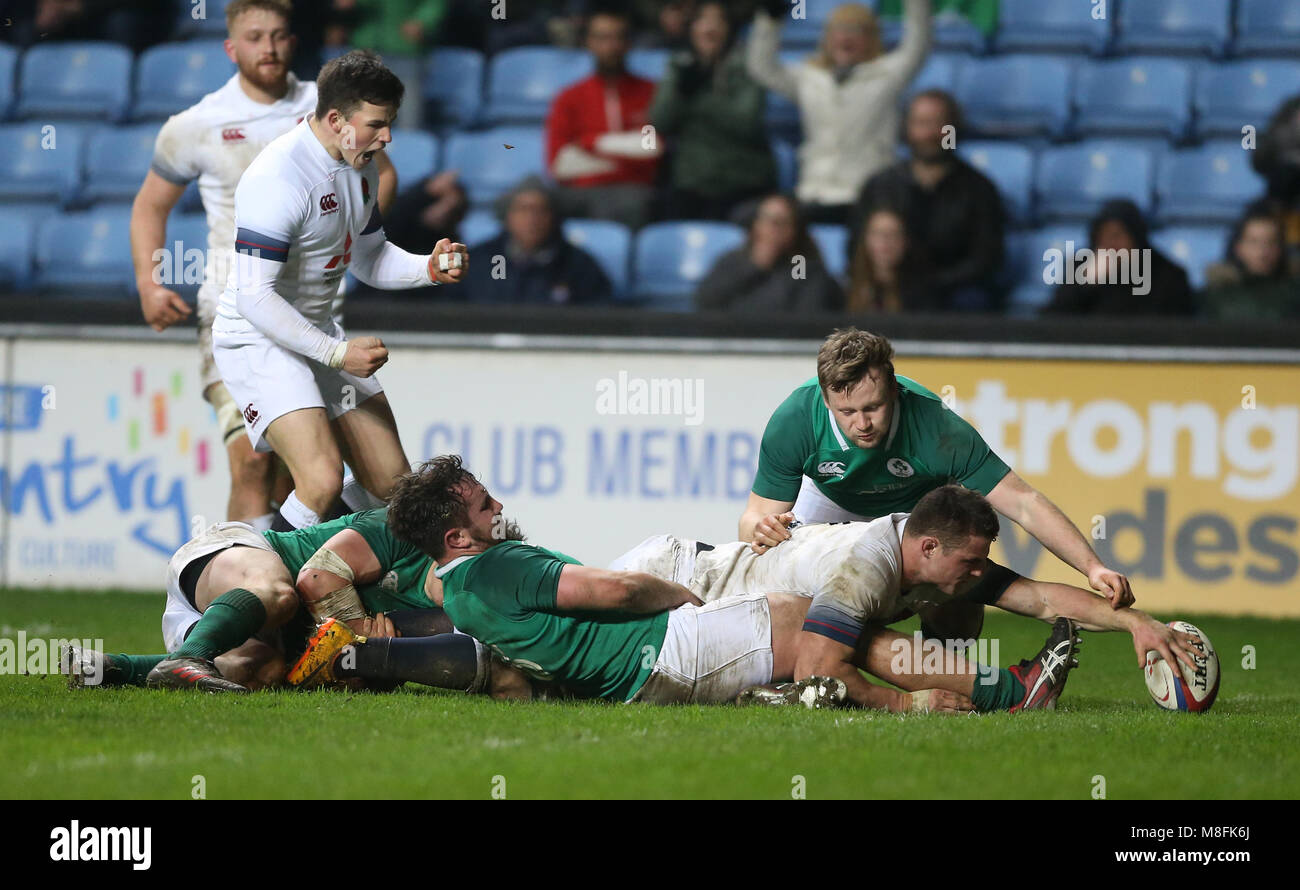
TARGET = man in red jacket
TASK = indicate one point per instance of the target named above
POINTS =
(599, 145)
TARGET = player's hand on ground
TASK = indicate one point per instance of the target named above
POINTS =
(162, 306)
(447, 247)
(770, 531)
(1112, 585)
(1172, 644)
(365, 356)
(940, 701)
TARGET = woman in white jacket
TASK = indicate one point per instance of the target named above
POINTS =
(848, 94)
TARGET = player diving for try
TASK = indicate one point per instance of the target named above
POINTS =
(304, 215)
(859, 442)
(214, 141)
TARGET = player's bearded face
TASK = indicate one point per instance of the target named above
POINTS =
(864, 411)
(263, 48)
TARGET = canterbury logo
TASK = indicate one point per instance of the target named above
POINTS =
(250, 414)
(329, 203)
(232, 134)
(831, 468)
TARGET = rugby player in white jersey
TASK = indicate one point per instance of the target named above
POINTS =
(861, 576)
(305, 215)
(213, 142)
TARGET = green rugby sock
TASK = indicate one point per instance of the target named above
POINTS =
(996, 689)
(129, 670)
(228, 621)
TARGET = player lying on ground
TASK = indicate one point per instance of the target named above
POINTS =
(304, 215)
(870, 574)
(231, 595)
(858, 442)
(623, 636)
(213, 142)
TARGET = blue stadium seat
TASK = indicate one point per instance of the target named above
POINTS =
(609, 243)
(1211, 183)
(805, 33)
(782, 115)
(453, 85)
(1178, 26)
(76, 79)
(1015, 95)
(212, 24)
(952, 33)
(523, 82)
(1267, 27)
(833, 244)
(87, 254)
(1073, 181)
(8, 79)
(1050, 26)
(648, 63)
(938, 73)
(1134, 95)
(187, 245)
(672, 257)
(479, 226)
(487, 168)
(786, 156)
(116, 161)
(1232, 95)
(173, 76)
(45, 161)
(414, 154)
(1193, 248)
(191, 200)
(1025, 266)
(1011, 167)
(17, 240)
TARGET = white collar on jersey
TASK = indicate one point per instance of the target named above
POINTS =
(442, 570)
(839, 437)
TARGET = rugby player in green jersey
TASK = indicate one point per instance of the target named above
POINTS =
(616, 635)
(248, 599)
(859, 442)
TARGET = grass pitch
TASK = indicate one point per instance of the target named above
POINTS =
(137, 743)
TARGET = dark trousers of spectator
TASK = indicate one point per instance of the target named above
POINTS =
(628, 204)
(681, 204)
(829, 214)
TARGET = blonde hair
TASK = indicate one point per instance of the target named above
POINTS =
(849, 15)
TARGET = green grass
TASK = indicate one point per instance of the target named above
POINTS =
(136, 743)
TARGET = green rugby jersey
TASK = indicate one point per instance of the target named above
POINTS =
(927, 446)
(505, 598)
(402, 567)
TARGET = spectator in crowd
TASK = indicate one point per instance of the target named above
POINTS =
(663, 24)
(595, 145)
(1256, 281)
(427, 211)
(1278, 160)
(138, 25)
(778, 269)
(953, 212)
(496, 25)
(712, 113)
(848, 95)
(886, 273)
(1119, 226)
(530, 261)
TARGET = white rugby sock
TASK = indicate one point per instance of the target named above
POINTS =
(295, 512)
(356, 497)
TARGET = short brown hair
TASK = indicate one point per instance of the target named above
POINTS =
(238, 7)
(354, 78)
(954, 515)
(848, 355)
(425, 504)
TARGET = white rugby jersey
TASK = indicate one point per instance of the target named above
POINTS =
(214, 141)
(302, 219)
(852, 571)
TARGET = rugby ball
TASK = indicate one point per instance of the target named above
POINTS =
(1179, 688)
